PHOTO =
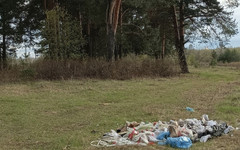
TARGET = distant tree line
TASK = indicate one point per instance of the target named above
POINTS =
(229, 55)
(198, 58)
(112, 29)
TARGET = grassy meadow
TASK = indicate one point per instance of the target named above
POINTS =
(69, 114)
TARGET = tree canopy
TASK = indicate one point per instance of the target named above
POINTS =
(113, 28)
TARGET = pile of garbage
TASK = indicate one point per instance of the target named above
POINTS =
(178, 134)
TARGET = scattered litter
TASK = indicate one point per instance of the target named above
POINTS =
(229, 129)
(211, 123)
(205, 138)
(205, 118)
(189, 109)
(178, 134)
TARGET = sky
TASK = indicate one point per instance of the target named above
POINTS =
(234, 41)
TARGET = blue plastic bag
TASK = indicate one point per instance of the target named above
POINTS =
(190, 109)
(163, 135)
(163, 138)
(162, 142)
(179, 142)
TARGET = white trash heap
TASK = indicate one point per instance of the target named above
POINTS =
(179, 134)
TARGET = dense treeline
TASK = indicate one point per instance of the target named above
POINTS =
(77, 29)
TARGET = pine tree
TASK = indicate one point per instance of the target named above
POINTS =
(206, 18)
(62, 35)
(10, 18)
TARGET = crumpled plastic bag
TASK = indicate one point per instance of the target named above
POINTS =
(199, 129)
(184, 131)
(229, 129)
(161, 126)
(174, 132)
(113, 134)
(179, 142)
(205, 118)
(144, 126)
(211, 123)
(140, 138)
(163, 135)
(132, 124)
(205, 138)
(152, 138)
(209, 129)
(130, 133)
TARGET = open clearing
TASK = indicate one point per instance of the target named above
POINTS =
(70, 114)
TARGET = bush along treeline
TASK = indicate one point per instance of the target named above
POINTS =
(198, 58)
(127, 68)
(229, 55)
(110, 30)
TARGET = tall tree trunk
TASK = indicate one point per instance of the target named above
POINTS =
(112, 23)
(116, 52)
(179, 37)
(175, 23)
(0, 57)
(163, 44)
(80, 17)
(121, 33)
(183, 60)
(49, 4)
(90, 42)
(4, 46)
(111, 42)
(45, 4)
(1, 62)
(80, 20)
(56, 50)
(4, 52)
(163, 40)
(60, 51)
(51, 47)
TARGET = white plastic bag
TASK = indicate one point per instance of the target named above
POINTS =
(205, 138)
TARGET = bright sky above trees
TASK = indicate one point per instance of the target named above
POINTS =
(235, 41)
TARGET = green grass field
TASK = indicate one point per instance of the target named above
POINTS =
(70, 114)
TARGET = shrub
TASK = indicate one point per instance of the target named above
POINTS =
(28, 73)
(98, 68)
(229, 56)
(214, 58)
(126, 68)
(191, 60)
